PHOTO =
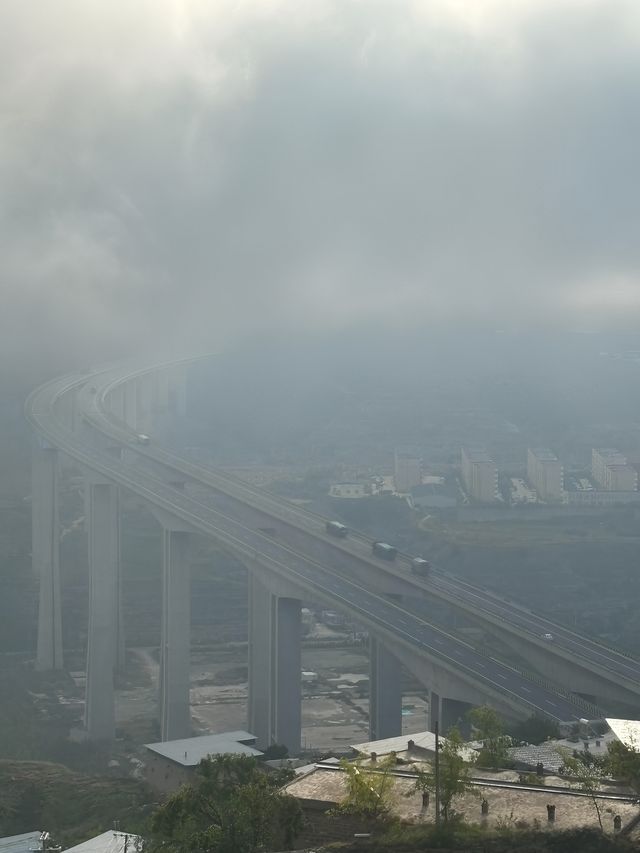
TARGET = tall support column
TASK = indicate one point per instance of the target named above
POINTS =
(175, 641)
(448, 713)
(181, 393)
(131, 403)
(260, 661)
(116, 401)
(435, 711)
(161, 391)
(454, 713)
(104, 608)
(46, 555)
(274, 712)
(385, 692)
(287, 700)
(144, 402)
(176, 390)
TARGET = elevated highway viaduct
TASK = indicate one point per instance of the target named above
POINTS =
(94, 419)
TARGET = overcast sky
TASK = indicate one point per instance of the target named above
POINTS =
(187, 172)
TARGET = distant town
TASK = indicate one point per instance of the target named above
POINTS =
(611, 479)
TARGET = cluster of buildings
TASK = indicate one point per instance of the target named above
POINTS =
(536, 788)
(613, 479)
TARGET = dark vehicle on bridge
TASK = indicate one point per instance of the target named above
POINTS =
(385, 551)
(336, 528)
(421, 567)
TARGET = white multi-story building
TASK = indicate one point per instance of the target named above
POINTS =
(480, 475)
(620, 478)
(545, 474)
(611, 470)
(407, 469)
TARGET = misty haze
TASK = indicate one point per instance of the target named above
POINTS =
(319, 424)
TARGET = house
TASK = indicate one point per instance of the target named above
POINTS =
(172, 763)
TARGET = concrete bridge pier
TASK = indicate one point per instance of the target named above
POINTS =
(144, 402)
(104, 608)
(130, 403)
(448, 713)
(259, 680)
(65, 409)
(274, 709)
(286, 697)
(116, 401)
(177, 391)
(385, 692)
(45, 551)
(161, 385)
(175, 640)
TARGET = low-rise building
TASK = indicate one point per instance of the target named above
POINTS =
(492, 801)
(349, 490)
(23, 843)
(172, 763)
(109, 842)
(599, 497)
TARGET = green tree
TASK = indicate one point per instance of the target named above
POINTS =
(490, 730)
(536, 729)
(589, 771)
(368, 789)
(232, 807)
(624, 764)
(454, 777)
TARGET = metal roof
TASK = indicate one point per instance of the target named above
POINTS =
(627, 731)
(21, 843)
(109, 842)
(548, 755)
(190, 751)
(424, 740)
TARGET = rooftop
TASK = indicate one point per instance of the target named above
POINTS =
(20, 843)
(549, 755)
(627, 731)
(421, 741)
(611, 454)
(109, 842)
(477, 454)
(323, 787)
(543, 454)
(190, 751)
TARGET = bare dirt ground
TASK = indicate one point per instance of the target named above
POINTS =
(334, 702)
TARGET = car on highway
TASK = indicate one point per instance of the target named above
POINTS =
(547, 636)
(420, 566)
(336, 528)
(382, 549)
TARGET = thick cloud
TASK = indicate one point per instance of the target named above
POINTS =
(179, 173)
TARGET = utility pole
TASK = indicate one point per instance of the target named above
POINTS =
(437, 772)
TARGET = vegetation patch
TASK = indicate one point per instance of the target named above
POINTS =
(72, 806)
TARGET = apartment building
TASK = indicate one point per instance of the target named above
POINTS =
(407, 469)
(611, 471)
(480, 475)
(545, 474)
